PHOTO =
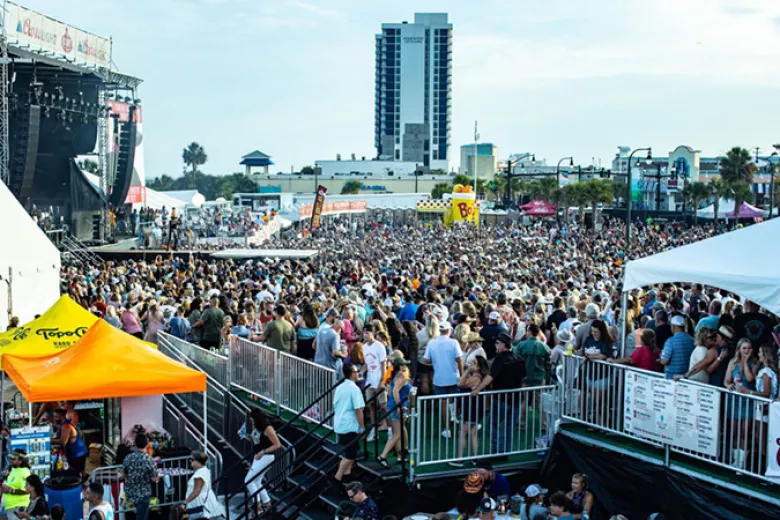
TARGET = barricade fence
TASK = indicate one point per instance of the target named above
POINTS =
(217, 395)
(213, 363)
(170, 489)
(254, 368)
(190, 437)
(709, 423)
(301, 382)
(450, 428)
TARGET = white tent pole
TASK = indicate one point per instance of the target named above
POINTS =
(623, 317)
(205, 414)
(29, 413)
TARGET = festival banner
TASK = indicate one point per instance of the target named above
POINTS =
(773, 442)
(43, 34)
(335, 208)
(316, 211)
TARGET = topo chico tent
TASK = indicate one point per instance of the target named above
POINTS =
(55, 330)
(104, 363)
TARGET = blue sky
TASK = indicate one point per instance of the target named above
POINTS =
(295, 78)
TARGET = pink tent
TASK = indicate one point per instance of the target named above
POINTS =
(539, 208)
(747, 211)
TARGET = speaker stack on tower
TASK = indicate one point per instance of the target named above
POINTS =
(25, 153)
(125, 160)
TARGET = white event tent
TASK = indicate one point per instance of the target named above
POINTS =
(29, 264)
(743, 262)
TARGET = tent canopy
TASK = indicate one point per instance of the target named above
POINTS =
(55, 330)
(538, 208)
(742, 261)
(104, 363)
(748, 211)
(726, 210)
(29, 263)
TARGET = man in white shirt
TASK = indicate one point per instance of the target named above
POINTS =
(375, 356)
(264, 295)
(446, 356)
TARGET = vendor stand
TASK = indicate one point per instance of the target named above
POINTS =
(107, 364)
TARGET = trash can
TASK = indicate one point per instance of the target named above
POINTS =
(65, 491)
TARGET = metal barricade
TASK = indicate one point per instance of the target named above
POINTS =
(171, 488)
(595, 395)
(254, 368)
(189, 436)
(217, 394)
(458, 427)
(214, 364)
(300, 383)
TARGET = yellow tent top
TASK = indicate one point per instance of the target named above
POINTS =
(56, 329)
(104, 363)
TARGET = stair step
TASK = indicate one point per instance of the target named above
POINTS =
(322, 466)
(308, 482)
(312, 513)
(332, 500)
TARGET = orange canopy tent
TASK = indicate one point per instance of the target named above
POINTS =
(104, 363)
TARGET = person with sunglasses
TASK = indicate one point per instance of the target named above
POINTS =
(366, 507)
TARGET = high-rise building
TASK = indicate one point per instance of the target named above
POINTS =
(414, 91)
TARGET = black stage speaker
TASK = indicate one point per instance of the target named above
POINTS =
(125, 160)
(31, 156)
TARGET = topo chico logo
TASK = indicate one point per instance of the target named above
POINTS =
(56, 333)
(20, 334)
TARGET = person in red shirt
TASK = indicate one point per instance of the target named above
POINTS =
(646, 354)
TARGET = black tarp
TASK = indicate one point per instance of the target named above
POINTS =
(84, 196)
(627, 485)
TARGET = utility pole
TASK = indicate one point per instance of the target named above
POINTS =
(476, 139)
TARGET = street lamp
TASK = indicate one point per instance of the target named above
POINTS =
(558, 180)
(649, 161)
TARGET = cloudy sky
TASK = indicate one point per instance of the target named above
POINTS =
(295, 78)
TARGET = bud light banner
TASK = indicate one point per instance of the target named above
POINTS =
(316, 211)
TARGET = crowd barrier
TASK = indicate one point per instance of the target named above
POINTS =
(170, 490)
(190, 437)
(705, 422)
(499, 423)
(301, 383)
(254, 368)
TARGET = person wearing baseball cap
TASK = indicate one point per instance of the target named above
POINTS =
(533, 508)
(446, 357)
(489, 333)
(676, 353)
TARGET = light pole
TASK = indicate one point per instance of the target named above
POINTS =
(771, 189)
(628, 202)
(558, 181)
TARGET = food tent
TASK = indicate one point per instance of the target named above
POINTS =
(56, 329)
(29, 263)
(748, 211)
(104, 363)
(743, 262)
(538, 208)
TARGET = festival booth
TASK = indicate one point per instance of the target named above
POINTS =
(726, 210)
(539, 208)
(456, 208)
(119, 374)
(743, 262)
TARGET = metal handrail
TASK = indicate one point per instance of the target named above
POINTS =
(299, 461)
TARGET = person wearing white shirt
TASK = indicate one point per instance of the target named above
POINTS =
(446, 356)
(375, 356)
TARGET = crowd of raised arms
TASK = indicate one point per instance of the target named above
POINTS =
(537, 292)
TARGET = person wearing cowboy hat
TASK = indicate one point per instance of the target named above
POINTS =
(15, 493)
(472, 347)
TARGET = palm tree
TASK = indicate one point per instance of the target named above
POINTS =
(597, 192)
(575, 195)
(718, 188)
(439, 189)
(694, 193)
(619, 190)
(737, 169)
(543, 189)
(193, 156)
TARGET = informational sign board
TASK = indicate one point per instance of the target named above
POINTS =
(36, 441)
(681, 414)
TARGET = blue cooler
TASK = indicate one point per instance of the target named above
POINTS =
(65, 491)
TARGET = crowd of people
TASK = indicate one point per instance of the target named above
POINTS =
(399, 309)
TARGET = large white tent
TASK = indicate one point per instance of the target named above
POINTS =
(743, 262)
(29, 264)
(726, 210)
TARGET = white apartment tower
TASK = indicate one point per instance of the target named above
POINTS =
(414, 91)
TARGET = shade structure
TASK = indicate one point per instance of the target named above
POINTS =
(539, 208)
(742, 261)
(104, 363)
(55, 330)
(748, 211)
